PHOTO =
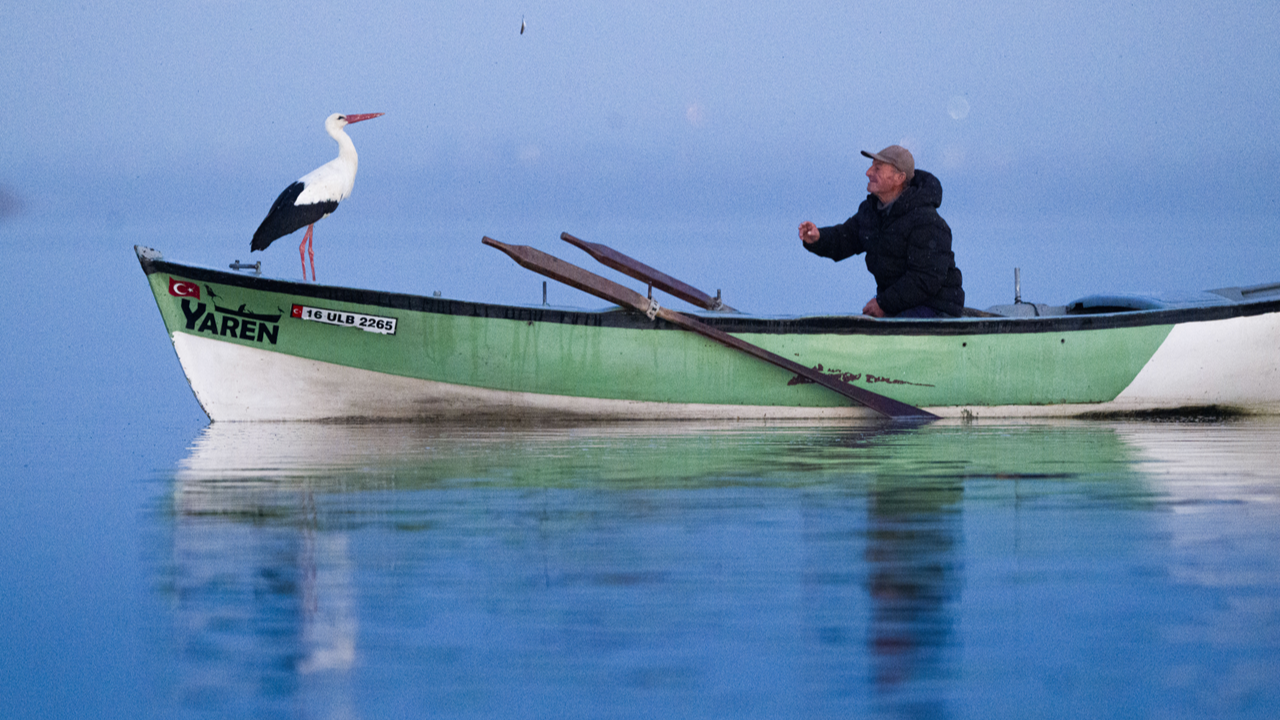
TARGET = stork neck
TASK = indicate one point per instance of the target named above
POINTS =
(346, 148)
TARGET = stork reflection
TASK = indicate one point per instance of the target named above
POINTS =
(266, 609)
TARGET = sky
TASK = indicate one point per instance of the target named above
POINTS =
(1086, 140)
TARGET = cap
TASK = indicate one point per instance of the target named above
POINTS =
(897, 156)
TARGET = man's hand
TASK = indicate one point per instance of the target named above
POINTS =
(873, 309)
(808, 232)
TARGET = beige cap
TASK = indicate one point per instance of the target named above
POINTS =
(897, 156)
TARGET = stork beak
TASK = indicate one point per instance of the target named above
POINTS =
(352, 119)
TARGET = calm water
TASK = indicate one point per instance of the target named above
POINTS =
(156, 566)
(1084, 569)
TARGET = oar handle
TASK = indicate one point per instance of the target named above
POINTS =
(571, 275)
(628, 265)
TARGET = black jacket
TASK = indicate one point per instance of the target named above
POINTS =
(908, 249)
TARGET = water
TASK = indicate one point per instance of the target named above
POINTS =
(1082, 568)
(1089, 569)
(157, 566)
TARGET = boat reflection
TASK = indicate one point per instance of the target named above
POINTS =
(1217, 481)
(285, 534)
(1196, 464)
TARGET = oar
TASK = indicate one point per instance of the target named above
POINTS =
(589, 282)
(630, 266)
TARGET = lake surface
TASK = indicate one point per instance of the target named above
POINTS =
(154, 565)
(1084, 569)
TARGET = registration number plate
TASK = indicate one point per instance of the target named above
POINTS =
(368, 323)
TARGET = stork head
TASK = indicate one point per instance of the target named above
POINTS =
(337, 121)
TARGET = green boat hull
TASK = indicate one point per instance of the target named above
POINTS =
(262, 349)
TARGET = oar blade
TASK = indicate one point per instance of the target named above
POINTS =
(882, 404)
(605, 289)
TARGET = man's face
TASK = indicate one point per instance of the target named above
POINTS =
(884, 179)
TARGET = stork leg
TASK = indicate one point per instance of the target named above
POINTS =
(302, 254)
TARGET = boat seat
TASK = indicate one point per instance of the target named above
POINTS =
(1098, 304)
(1026, 309)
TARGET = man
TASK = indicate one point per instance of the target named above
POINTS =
(908, 245)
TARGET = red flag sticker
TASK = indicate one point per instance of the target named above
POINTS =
(181, 288)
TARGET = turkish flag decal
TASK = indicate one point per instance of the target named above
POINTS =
(182, 288)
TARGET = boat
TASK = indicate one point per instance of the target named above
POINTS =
(255, 348)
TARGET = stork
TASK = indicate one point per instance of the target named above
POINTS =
(315, 195)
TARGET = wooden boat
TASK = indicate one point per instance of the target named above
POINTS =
(261, 349)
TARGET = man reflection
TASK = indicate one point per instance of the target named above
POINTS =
(913, 580)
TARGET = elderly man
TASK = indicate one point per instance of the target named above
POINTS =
(908, 245)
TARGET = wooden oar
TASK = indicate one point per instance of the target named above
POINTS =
(630, 266)
(589, 282)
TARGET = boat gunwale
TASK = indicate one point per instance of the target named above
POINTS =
(731, 323)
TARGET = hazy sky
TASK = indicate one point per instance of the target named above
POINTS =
(717, 111)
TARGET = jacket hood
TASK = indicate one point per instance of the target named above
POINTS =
(924, 190)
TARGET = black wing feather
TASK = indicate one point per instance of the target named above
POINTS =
(286, 217)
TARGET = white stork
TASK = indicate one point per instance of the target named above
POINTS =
(315, 195)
